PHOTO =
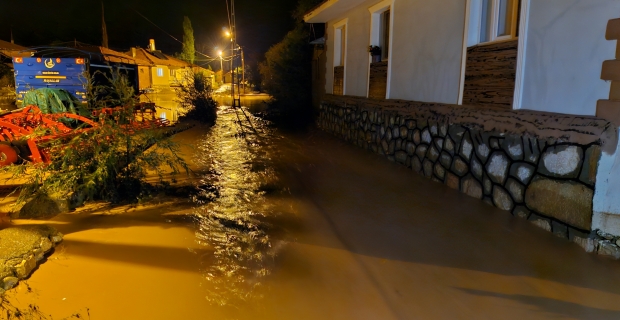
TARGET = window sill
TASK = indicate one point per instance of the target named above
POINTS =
(493, 42)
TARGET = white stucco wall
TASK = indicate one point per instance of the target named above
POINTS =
(426, 50)
(565, 50)
(357, 56)
(425, 62)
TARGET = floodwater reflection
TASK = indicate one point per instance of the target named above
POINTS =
(239, 154)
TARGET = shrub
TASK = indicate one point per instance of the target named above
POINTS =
(195, 95)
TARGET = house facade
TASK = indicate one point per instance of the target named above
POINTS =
(509, 101)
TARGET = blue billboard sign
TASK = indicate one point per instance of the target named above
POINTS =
(59, 73)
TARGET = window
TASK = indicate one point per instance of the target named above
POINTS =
(160, 72)
(173, 73)
(493, 20)
(340, 45)
(385, 34)
(380, 21)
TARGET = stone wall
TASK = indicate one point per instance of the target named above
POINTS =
(538, 166)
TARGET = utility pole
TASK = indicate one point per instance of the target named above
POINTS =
(243, 69)
(104, 41)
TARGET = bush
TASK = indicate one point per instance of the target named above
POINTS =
(195, 95)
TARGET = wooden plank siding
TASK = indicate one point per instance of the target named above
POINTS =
(377, 82)
(339, 80)
(490, 74)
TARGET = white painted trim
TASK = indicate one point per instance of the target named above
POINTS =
(468, 11)
(521, 55)
(338, 25)
(390, 64)
(324, 6)
(375, 36)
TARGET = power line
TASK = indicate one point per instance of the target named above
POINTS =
(171, 36)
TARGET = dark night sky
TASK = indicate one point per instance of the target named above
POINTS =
(260, 23)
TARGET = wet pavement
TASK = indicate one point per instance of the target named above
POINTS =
(307, 227)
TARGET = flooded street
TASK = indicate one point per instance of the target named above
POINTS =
(307, 227)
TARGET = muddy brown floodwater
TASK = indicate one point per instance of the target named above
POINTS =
(306, 227)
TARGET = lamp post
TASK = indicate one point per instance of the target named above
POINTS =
(221, 65)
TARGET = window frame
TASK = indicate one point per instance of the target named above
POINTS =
(476, 23)
(340, 51)
(160, 72)
(471, 37)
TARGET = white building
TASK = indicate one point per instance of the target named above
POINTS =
(509, 56)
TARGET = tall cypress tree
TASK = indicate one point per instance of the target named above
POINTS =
(189, 52)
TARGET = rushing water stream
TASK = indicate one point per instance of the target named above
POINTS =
(307, 227)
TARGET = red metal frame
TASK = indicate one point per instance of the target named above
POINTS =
(22, 124)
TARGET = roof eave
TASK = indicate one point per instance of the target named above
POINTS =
(316, 14)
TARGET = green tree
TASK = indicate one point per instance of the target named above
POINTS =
(286, 73)
(189, 51)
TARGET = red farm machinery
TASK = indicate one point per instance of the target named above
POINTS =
(24, 132)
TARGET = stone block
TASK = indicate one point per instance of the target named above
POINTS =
(606, 248)
(416, 137)
(456, 134)
(433, 128)
(396, 132)
(487, 184)
(426, 136)
(432, 153)
(562, 161)
(399, 144)
(440, 171)
(481, 145)
(459, 166)
(476, 168)
(448, 145)
(428, 168)
(443, 129)
(521, 212)
(590, 165)
(559, 229)
(23, 269)
(438, 143)
(401, 157)
(513, 146)
(391, 147)
(9, 282)
(385, 146)
(410, 148)
(588, 244)
(445, 159)
(540, 221)
(466, 147)
(410, 124)
(471, 187)
(403, 132)
(416, 164)
(516, 190)
(522, 171)
(567, 201)
(421, 151)
(502, 199)
(497, 167)
(388, 134)
(494, 143)
(452, 180)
